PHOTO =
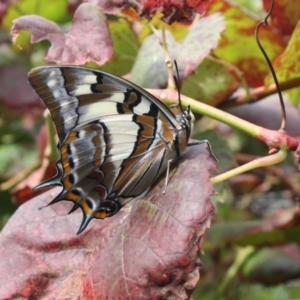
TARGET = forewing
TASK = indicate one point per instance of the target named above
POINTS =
(77, 95)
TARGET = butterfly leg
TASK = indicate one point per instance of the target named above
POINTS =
(208, 145)
(167, 174)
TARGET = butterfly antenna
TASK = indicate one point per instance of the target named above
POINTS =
(265, 21)
(176, 80)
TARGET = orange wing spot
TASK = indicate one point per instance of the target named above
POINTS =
(66, 165)
(86, 208)
(101, 215)
(71, 137)
(64, 152)
(66, 182)
(97, 158)
(73, 197)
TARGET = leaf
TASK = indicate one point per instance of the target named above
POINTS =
(88, 40)
(148, 251)
(149, 69)
(285, 14)
(113, 7)
(181, 11)
(287, 65)
(3, 9)
(55, 11)
(212, 83)
(238, 45)
(220, 148)
(203, 37)
(173, 10)
(273, 265)
(281, 228)
(23, 99)
(125, 48)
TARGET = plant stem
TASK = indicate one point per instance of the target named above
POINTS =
(257, 163)
(272, 138)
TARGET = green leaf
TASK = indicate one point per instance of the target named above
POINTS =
(272, 265)
(238, 45)
(212, 83)
(287, 65)
(125, 48)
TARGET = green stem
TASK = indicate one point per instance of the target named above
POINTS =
(231, 274)
(257, 163)
(209, 111)
(10, 183)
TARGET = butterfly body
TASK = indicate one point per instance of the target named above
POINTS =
(115, 139)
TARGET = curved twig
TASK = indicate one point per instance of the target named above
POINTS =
(283, 112)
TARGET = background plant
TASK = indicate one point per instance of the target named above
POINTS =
(253, 241)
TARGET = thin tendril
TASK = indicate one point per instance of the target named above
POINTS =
(176, 80)
(283, 112)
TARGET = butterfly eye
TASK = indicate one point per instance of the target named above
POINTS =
(188, 117)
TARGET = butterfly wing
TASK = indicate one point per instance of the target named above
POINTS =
(115, 138)
(73, 94)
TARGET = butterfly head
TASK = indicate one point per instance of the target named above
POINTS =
(187, 120)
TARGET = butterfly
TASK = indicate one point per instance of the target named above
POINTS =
(115, 139)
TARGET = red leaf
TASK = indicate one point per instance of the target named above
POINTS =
(23, 191)
(88, 40)
(285, 14)
(148, 251)
(4, 5)
(172, 10)
(203, 36)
